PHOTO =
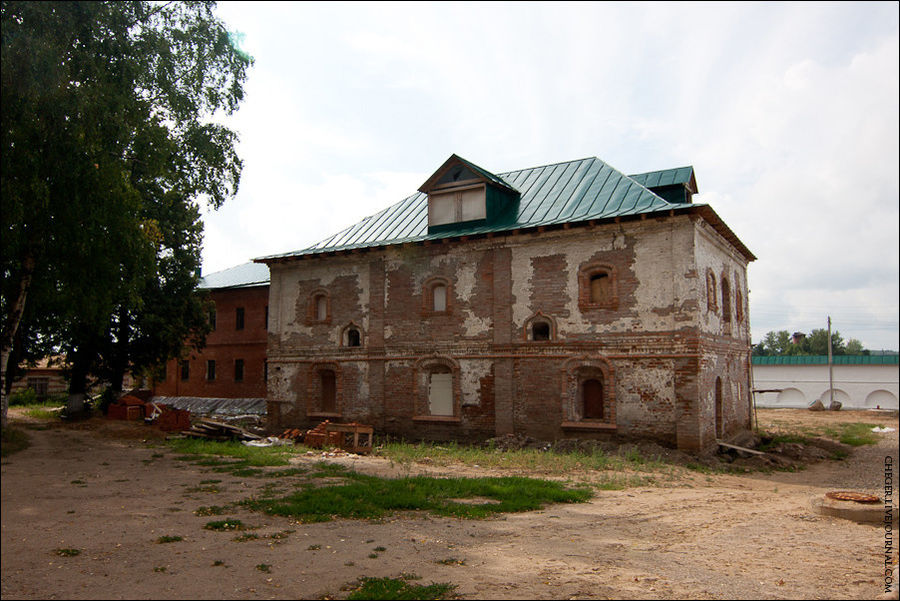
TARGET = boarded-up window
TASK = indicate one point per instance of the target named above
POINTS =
(321, 308)
(329, 390)
(726, 301)
(439, 295)
(454, 207)
(592, 397)
(440, 393)
(600, 288)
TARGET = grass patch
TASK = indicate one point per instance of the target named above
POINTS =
(368, 497)
(210, 453)
(397, 588)
(67, 552)
(243, 538)
(264, 567)
(855, 434)
(169, 539)
(12, 441)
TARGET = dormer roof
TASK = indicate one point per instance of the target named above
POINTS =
(458, 170)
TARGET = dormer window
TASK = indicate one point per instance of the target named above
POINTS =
(460, 192)
(457, 206)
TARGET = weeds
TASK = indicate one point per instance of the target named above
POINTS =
(224, 525)
(169, 539)
(399, 588)
(67, 552)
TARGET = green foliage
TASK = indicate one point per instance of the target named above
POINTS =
(815, 343)
(25, 396)
(67, 552)
(169, 539)
(368, 497)
(397, 588)
(107, 149)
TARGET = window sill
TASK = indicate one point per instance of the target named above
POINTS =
(589, 426)
(324, 414)
(440, 419)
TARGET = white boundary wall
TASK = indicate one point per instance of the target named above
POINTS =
(855, 386)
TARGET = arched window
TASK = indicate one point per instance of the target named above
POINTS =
(352, 337)
(319, 310)
(539, 328)
(711, 294)
(597, 287)
(437, 390)
(324, 391)
(437, 296)
(726, 300)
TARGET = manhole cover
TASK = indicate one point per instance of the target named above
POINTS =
(849, 495)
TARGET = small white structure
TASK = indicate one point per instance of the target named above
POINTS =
(860, 381)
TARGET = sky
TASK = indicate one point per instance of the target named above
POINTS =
(788, 113)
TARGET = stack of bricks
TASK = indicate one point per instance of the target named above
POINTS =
(319, 437)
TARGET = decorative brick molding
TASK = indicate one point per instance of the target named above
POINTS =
(577, 371)
(537, 318)
(312, 312)
(587, 273)
(346, 333)
(423, 368)
(315, 403)
(428, 296)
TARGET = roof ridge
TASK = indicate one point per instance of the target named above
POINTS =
(553, 165)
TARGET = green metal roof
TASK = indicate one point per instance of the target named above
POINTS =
(571, 192)
(241, 276)
(667, 177)
(823, 360)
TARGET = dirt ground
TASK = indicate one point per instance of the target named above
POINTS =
(106, 489)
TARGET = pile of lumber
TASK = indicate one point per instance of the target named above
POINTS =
(213, 430)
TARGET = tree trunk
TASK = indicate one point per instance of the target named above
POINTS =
(81, 363)
(10, 328)
(120, 360)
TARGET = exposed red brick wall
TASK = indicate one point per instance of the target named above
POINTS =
(225, 345)
(658, 381)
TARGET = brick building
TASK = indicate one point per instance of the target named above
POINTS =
(568, 300)
(232, 365)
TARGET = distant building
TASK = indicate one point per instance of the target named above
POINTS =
(568, 300)
(46, 377)
(859, 381)
(233, 363)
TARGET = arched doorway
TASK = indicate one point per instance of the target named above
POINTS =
(329, 390)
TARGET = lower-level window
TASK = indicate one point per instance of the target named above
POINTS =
(238, 370)
(440, 393)
(592, 398)
(328, 384)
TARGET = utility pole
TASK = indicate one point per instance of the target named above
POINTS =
(830, 367)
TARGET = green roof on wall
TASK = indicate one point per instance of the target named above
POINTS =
(823, 360)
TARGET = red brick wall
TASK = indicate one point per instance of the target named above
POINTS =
(225, 345)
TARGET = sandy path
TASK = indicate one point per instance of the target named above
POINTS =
(98, 489)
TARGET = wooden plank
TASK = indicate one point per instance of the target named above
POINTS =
(737, 448)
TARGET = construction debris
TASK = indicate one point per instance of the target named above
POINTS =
(352, 437)
(213, 430)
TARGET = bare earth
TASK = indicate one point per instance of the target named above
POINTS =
(102, 488)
